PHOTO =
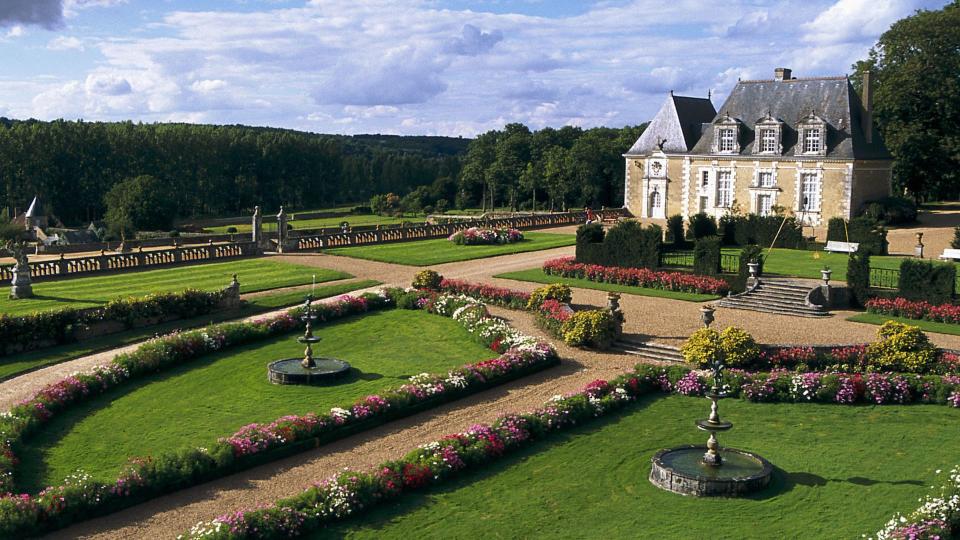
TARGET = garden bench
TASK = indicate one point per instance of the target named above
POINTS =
(951, 254)
(841, 247)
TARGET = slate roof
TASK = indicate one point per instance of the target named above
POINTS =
(679, 121)
(36, 209)
(831, 98)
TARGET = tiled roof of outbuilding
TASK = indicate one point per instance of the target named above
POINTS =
(679, 122)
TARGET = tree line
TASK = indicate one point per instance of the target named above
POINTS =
(545, 169)
(209, 170)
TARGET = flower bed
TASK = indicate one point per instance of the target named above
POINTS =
(901, 307)
(475, 236)
(350, 493)
(636, 277)
(65, 325)
(81, 498)
(500, 296)
(938, 517)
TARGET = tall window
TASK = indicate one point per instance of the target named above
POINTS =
(764, 205)
(812, 140)
(810, 193)
(705, 179)
(765, 179)
(728, 139)
(768, 140)
(724, 189)
(655, 200)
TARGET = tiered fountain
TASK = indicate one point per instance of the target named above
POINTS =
(705, 471)
(307, 370)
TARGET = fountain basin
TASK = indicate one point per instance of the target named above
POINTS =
(682, 471)
(290, 371)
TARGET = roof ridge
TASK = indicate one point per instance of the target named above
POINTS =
(796, 79)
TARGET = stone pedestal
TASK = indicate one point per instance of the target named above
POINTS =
(21, 286)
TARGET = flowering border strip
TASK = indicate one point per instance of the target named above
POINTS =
(917, 310)
(477, 236)
(937, 517)
(349, 493)
(636, 277)
(81, 498)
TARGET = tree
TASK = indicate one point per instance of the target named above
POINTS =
(140, 203)
(917, 99)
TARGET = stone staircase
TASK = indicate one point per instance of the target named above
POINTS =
(778, 296)
(648, 350)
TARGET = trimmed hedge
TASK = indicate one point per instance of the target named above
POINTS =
(706, 256)
(750, 253)
(858, 278)
(891, 210)
(762, 230)
(675, 231)
(627, 244)
(701, 225)
(927, 280)
(29, 332)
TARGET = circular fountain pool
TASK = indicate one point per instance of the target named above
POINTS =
(292, 371)
(681, 470)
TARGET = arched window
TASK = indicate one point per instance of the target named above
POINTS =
(656, 200)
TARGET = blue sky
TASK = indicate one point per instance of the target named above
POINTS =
(439, 67)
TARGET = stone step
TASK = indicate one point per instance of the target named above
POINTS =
(764, 306)
(652, 351)
(764, 293)
(785, 290)
(772, 301)
(778, 311)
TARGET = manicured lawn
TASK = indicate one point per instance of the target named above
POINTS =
(536, 275)
(926, 326)
(254, 275)
(212, 397)
(840, 472)
(807, 264)
(428, 252)
(359, 219)
(13, 365)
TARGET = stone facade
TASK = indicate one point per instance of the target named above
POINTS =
(793, 159)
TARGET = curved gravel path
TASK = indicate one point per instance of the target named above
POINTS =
(658, 319)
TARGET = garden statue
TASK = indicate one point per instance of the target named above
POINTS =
(20, 285)
(281, 230)
(257, 226)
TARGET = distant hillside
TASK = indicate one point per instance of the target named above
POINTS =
(211, 169)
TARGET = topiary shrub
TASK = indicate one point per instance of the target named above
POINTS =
(858, 278)
(733, 346)
(427, 279)
(955, 243)
(625, 245)
(706, 256)
(555, 291)
(927, 280)
(590, 244)
(675, 231)
(727, 228)
(787, 232)
(231, 230)
(595, 328)
(901, 347)
(702, 225)
(837, 229)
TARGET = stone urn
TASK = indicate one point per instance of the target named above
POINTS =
(706, 315)
(825, 275)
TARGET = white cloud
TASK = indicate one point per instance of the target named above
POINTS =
(207, 86)
(65, 43)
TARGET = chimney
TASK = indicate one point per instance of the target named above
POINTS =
(867, 120)
(782, 74)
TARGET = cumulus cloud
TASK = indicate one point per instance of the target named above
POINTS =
(402, 76)
(473, 41)
(65, 43)
(107, 85)
(45, 13)
(207, 86)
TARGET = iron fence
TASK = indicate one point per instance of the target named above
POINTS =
(884, 278)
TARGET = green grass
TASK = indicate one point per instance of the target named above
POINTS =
(807, 264)
(537, 275)
(212, 397)
(840, 471)
(82, 292)
(17, 364)
(359, 219)
(926, 326)
(429, 252)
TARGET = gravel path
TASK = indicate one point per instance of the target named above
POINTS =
(658, 319)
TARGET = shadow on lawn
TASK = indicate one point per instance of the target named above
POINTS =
(814, 480)
(66, 300)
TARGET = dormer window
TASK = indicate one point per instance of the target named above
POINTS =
(768, 131)
(812, 139)
(728, 139)
(726, 136)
